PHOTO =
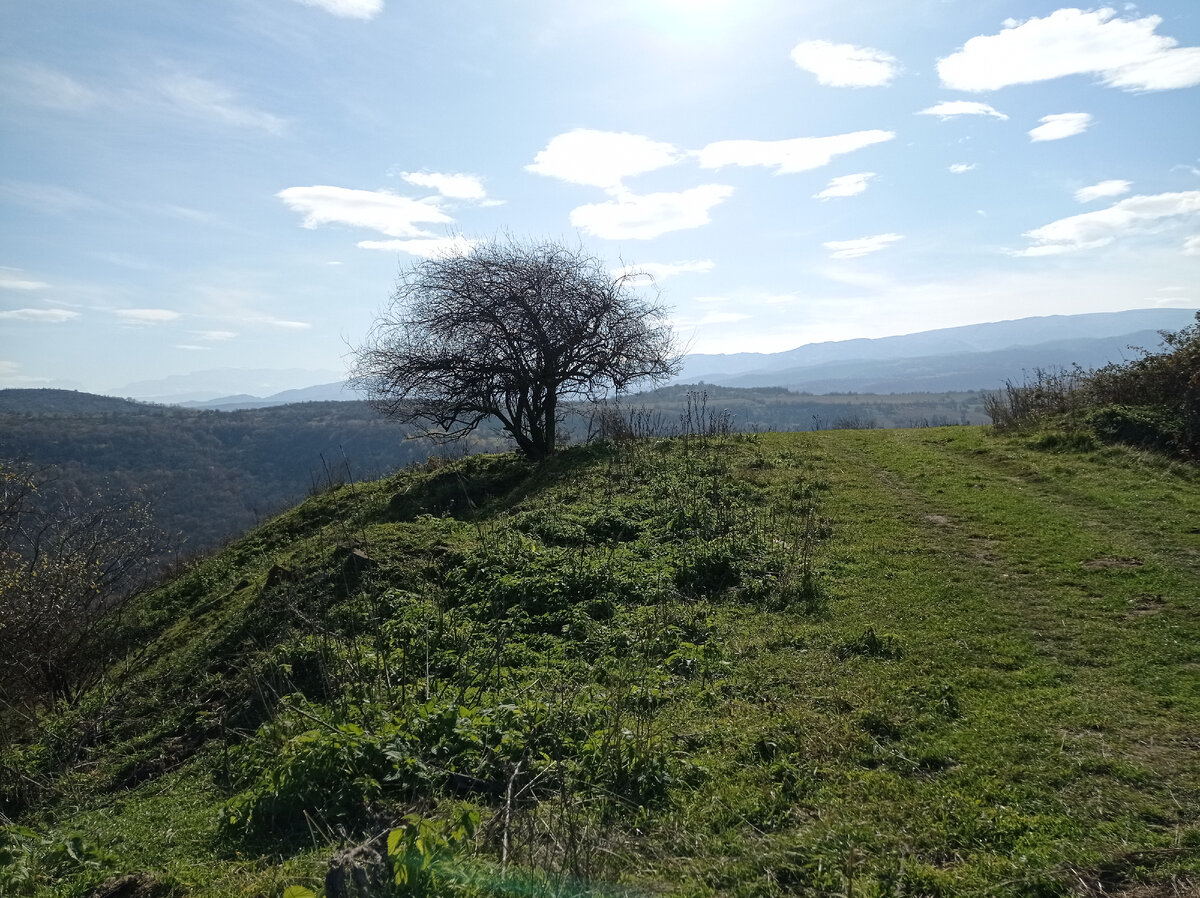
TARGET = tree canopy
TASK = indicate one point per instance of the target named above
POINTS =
(507, 331)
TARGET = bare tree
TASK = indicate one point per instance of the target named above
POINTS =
(508, 331)
(66, 568)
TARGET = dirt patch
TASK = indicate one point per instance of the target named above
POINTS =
(938, 519)
(1178, 889)
(1145, 604)
(135, 885)
(1112, 563)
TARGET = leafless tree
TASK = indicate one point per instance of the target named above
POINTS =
(67, 565)
(508, 331)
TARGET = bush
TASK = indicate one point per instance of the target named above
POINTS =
(1151, 402)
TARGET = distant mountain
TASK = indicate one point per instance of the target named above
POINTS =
(946, 372)
(973, 357)
(203, 386)
(946, 353)
(333, 392)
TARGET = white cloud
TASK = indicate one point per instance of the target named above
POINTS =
(191, 347)
(850, 249)
(660, 271)
(47, 316)
(845, 65)
(146, 316)
(1103, 189)
(1124, 53)
(959, 168)
(10, 279)
(1064, 124)
(281, 323)
(452, 186)
(426, 248)
(1191, 246)
(376, 210)
(202, 98)
(349, 9)
(951, 108)
(644, 216)
(845, 185)
(601, 158)
(216, 336)
(788, 156)
(1094, 229)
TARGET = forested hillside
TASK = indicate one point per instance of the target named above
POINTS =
(210, 475)
(207, 475)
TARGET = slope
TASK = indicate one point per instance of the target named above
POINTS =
(927, 662)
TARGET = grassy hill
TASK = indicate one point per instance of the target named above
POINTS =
(212, 475)
(853, 663)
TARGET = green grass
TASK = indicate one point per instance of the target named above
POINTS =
(923, 662)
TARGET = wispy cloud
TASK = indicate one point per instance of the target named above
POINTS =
(348, 9)
(602, 158)
(146, 316)
(1101, 190)
(211, 101)
(425, 247)
(788, 156)
(271, 321)
(170, 89)
(1064, 124)
(375, 210)
(959, 168)
(660, 271)
(50, 198)
(1124, 53)
(45, 316)
(845, 185)
(11, 279)
(850, 249)
(216, 336)
(645, 216)
(1135, 214)
(721, 318)
(845, 65)
(40, 85)
(952, 108)
(1191, 246)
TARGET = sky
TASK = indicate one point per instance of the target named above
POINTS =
(192, 186)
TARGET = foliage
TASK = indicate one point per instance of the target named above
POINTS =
(508, 331)
(1151, 402)
(29, 860)
(67, 567)
(212, 475)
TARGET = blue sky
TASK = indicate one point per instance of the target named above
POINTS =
(188, 186)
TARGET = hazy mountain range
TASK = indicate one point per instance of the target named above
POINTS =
(973, 357)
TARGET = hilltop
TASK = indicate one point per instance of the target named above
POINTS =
(211, 475)
(917, 662)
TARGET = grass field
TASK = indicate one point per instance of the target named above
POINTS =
(848, 663)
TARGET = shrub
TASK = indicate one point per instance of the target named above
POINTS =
(1151, 402)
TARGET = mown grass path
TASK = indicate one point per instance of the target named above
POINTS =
(1056, 598)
